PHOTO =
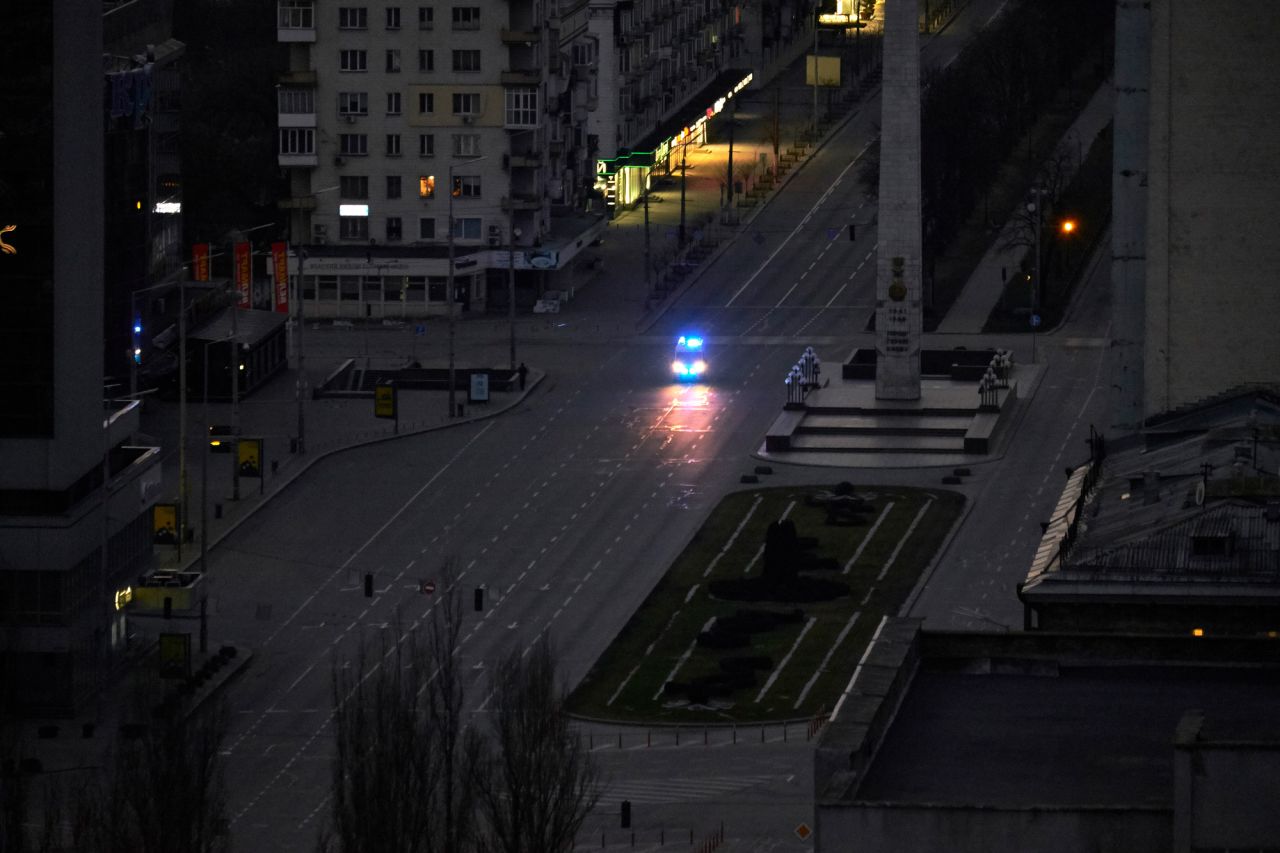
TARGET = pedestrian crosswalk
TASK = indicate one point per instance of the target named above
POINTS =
(675, 790)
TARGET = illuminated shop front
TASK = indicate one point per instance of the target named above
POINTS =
(622, 179)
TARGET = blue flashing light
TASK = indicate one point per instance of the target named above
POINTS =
(137, 327)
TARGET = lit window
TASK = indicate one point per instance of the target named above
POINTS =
(427, 186)
(466, 186)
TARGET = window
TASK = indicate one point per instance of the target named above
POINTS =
(393, 229)
(426, 228)
(353, 143)
(466, 186)
(393, 62)
(426, 145)
(393, 186)
(353, 186)
(296, 100)
(426, 17)
(352, 60)
(466, 60)
(393, 17)
(297, 140)
(466, 103)
(353, 227)
(353, 103)
(426, 60)
(522, 107)
(296, 15)
(353, 18)
(466, 228)
(393, 145)
(584, 53)
(466, 17)
(393, 103)
(466, 145)
(426, 103)
(426, 186)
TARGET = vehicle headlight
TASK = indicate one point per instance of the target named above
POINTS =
(679, 367)
(699, 367)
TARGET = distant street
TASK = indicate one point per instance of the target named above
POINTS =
(569, 508)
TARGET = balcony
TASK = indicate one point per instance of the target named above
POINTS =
(529, 161)
(297, 77)
(305, 202)
(293, 161)
(522, 201)
(520, 37)
(520, 78)
(295, 21)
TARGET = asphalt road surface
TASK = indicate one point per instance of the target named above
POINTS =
(568, 509)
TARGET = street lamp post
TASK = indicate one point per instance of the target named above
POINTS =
(204, 454)
(300, 387)
(1035, 207)
(449, 298)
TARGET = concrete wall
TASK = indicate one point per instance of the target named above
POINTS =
(1214, 178)
(888, 828)
(1219, 790)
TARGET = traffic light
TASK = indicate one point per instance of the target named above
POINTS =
(137, 340)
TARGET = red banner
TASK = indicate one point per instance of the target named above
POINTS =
(280, 260)
(243, 255)
(200, 262)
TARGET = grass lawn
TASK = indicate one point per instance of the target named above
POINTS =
(810, 659)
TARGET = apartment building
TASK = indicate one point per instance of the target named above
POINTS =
(430, 143)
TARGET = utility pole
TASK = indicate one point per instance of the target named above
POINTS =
(684, 178)
(511, 279)
(300, 387)
(733, 119)
(449, 296)
(648, 264)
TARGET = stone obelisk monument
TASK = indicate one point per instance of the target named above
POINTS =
(898, 310)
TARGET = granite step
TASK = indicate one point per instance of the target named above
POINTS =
(863, 443)
(948, 425)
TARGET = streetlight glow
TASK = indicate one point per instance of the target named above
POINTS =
(1068, 226)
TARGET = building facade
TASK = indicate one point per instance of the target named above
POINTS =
(413, 133)
(75, 489)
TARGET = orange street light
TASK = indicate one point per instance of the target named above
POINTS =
(1068, 226)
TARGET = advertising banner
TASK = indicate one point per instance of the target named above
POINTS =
(280, 259)
(249, 456)
(200, 262)
(243, 274)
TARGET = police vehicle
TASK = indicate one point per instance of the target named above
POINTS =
(690, 361)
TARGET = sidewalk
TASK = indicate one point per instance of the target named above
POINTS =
(982, 292)
(331, 425)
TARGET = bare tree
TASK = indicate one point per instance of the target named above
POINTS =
(539, 781)
(162, 789)
(405, 757)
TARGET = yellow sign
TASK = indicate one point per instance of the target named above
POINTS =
(250, 457)
(828, 70)
(164, 524)
(175, 655)
(384, 401)
(5, 247)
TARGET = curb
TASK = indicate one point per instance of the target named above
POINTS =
(290, 478)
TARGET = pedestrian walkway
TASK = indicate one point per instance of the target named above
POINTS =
(981, 294)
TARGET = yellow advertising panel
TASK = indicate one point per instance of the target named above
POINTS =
(828, 70)
(164, 524)
(384, 401)
(175, 655)
(250, 457)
